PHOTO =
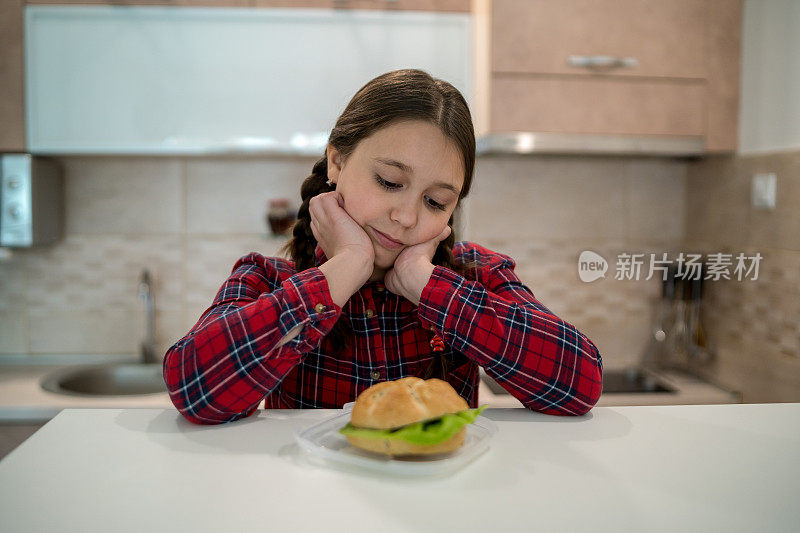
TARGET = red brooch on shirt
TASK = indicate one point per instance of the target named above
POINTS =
(437, 344)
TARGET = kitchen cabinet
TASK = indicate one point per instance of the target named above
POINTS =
(668, 69)
(177, 3)
(12, 104)
(399, 5)
(210, 81)
(537, 36)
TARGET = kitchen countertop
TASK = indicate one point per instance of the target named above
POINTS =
(22, 400)
(657, 468)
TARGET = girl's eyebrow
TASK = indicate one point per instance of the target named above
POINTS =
(408, 170)
(394, 163)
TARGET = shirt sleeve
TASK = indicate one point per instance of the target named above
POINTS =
(543, 361)
(229, 361)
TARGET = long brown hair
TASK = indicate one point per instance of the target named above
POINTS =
(407, 94)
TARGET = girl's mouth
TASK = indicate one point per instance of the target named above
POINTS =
(386, 241)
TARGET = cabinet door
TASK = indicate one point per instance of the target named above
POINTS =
(607, 105)
(459, 6)
(456, 6)
(176, 3)
(666, 37)
(224, 80)
(724, 57)
(12, 114)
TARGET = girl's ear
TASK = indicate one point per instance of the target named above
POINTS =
(334, 163)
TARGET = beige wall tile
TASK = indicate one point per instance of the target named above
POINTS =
(123, 195)
(170, 327)
(231, 196)
(526, 198)
(213, 258)
(14, 334)
(98, 272)
(753, 324)
(14, 281)
(779, 228)
(543, 211)
(718, 202)
(609, 334)
(108, 331)
(656, 201)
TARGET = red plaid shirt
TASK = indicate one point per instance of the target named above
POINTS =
(228, 363)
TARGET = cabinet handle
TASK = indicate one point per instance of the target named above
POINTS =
(602, 62)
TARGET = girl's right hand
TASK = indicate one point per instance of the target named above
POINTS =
(336, 232)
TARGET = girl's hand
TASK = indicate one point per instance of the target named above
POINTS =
(336, 232)
(413, 268)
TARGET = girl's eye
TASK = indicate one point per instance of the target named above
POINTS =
(434, 204)
(388, 185)
(392, 186)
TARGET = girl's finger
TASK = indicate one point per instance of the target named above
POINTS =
(334, 201)
(326, 203)
(316, 208)
(313, 211)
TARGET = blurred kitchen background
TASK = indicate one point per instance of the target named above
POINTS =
(616, 126)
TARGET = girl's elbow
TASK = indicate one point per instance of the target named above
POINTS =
(180, 390)
(572, 401)
(210, 415)
(595, 378)
(194, 419)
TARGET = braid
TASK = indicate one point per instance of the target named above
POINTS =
(444, 255)
(303, 244)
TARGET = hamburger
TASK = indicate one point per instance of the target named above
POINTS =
(409, 416)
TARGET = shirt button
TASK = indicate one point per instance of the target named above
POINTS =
(380, 289)
(319, 308)
(370, 313)
(375, 374)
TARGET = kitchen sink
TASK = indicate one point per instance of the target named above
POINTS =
(633, 380)
(625, 381)
(106, 380)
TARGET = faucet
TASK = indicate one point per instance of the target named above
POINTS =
(147, 348)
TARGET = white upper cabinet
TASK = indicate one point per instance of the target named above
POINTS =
(164, 80)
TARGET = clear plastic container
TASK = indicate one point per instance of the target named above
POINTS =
(323, 441)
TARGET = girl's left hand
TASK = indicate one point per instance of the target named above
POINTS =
(413, 268)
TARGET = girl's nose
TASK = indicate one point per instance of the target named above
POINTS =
(404, 213)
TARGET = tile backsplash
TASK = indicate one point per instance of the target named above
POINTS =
(754, 324)
(189, 219)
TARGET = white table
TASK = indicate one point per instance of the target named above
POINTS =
(679, 468)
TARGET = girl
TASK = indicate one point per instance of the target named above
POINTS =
(377, 289)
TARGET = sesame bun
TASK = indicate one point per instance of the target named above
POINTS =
(392, 404)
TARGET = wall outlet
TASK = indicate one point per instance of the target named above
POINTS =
(764, 191)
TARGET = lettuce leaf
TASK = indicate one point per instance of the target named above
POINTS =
(431, 431)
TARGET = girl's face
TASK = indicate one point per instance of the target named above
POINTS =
(401, 185)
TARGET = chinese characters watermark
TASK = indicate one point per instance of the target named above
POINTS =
(592, 266)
